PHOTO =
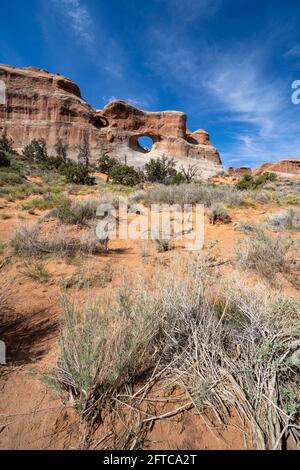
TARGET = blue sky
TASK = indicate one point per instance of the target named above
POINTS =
(229, 64)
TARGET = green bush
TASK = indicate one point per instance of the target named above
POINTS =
(53, 163)
(36, 151)
(124, 174)
(179, 178)
(4, 159)
(6, 144)
(160, 170)
(77, 173)
(251, 182)
(106, 163)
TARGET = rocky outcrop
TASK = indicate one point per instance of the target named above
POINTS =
(242, 170)
(49, 106)
(288, 166)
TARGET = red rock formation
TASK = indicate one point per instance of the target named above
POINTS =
(242, 170)
(290, 166)
(50, 106)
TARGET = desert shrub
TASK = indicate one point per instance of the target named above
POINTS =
(248, 182)
(248, 227)
(4, 159)
(6, 145)
(106, 163)
(82, 280)
(13, 192)
(36, 150)
(219, 213)
(163, 245)
(288, 220)
(124, 174)
(265, 254)
(77, 173)
(10, 178)
(191, 194)
(179, 178)
(76, 212)
(160, 170)
(289, 199)
(53, 163)
(47, 201)
(27, 241)
(102, 353)
(228, 347)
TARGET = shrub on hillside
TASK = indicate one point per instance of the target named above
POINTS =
(126, 175)
(36, 151)
(106, 163)
(179, 178)
(53, 163)
(248, 182)
(77, 173)
(160, 170)
(6, 144)
(4, 159)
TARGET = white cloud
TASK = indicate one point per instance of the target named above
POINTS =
(80, 19)
(230, 83)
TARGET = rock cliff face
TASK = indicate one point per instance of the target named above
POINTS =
(289, 166)
(43, 105)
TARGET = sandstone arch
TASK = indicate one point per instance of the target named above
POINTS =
(43, 105)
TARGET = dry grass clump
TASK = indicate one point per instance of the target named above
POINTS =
(219, 213)
(35, 270)
(191, 194)
(285, 221)
(228, 346)
(103, 352)
(267, 255)
(76, 212)
(28, 241)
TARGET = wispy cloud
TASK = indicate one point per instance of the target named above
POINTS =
(293, 51)
(231, 83)
(80, 19)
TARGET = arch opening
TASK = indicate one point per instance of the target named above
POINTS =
(145, 143)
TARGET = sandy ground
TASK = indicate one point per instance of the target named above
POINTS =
(31, 416)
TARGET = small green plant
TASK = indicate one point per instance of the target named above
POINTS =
(179, 178)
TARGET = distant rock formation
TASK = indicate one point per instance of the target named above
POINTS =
(242, 170)
(50, 106)
(288, 166)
